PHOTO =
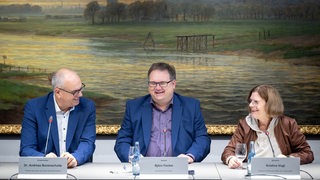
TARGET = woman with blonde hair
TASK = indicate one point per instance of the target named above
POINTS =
(273, 133)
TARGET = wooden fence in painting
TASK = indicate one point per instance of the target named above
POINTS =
(10, 68)
(194, 43)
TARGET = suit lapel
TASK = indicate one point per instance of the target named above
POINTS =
(50, 111)
(74, 118)
(176, 120)
(146, 123)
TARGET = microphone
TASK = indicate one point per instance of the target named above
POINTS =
(45, 149)
(165, 142)
(267, 133)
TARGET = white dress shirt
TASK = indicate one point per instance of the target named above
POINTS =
(62, 122)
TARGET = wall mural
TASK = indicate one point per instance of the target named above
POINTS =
(220, 51)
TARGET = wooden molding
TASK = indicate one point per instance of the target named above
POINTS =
(113, 129)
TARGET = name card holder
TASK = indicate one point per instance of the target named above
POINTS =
(42, 168)
(164, 168)
(288, 168)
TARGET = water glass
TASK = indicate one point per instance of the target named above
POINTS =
(241, 151)
(131, 153)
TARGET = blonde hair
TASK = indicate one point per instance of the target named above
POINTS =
(274, 104)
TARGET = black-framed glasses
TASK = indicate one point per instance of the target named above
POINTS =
(74, 92)
(161, 84)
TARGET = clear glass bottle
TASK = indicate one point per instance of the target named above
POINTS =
(251, 154)
(136, 160)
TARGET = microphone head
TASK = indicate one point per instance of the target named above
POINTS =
(267, 133)
(164, 130)
(50, 119)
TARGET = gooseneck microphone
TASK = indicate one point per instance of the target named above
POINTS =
(267, 133)
(165, 142)
(45, 149)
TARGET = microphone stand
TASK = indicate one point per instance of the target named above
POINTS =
(267, 133)
(45, 149)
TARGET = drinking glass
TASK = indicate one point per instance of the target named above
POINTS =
(131, 153)
(241, 151)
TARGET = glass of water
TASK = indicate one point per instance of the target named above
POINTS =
(241, 151)
(131, 153)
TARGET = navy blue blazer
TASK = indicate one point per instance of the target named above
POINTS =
(189, 133)
(81, 133)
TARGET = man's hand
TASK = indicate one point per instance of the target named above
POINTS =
(190, 160)
(71, 161)
(51, 155)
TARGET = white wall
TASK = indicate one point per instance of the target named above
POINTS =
(9, 148)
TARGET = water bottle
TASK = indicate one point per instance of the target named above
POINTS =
(136, 160)
(251, 154)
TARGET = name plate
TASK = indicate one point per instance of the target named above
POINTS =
(164, 165)
(275, 166)
(42, 168)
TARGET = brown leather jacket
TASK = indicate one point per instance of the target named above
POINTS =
(290, 139)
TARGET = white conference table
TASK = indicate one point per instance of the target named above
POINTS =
(117, 171)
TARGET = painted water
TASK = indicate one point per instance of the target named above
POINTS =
(220, 82)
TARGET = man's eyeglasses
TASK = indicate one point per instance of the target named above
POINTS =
(75, 92)
(161, 84)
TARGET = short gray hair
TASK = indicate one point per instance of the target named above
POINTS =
(57, 79)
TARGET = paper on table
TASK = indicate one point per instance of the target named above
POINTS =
(125, 169)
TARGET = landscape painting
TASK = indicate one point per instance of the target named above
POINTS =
(221, 49)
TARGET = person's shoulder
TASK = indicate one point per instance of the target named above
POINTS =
(243, 122)
(287, 120)
(139, 99)
(40, 98)
(84, 99)
(185, 98)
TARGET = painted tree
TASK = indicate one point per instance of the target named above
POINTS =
(116, 11)
(91, 9)
(135, 11)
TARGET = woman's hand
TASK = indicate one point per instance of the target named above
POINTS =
(234, 162)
